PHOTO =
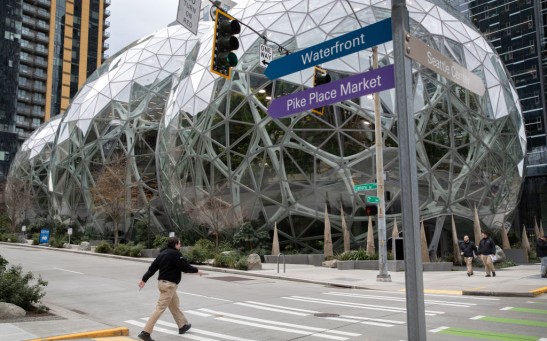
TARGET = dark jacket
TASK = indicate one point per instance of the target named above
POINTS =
(170, 263)
(541, 248)
(487, 247)
(468, 248)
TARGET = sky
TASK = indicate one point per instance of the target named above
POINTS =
(134, 19)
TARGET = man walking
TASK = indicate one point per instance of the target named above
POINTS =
(468, 251)
(487, 250)
(541, 250)
(170, 263)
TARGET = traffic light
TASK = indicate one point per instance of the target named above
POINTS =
(320, 77)
(224, 43)
(371, 210)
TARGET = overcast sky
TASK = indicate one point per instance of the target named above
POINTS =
(134, 19)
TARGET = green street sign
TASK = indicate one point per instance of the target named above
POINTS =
(373, 199)
(364, 187)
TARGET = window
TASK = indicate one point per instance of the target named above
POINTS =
(36, 122)
(4, 156)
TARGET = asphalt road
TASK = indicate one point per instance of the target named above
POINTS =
(233, 307)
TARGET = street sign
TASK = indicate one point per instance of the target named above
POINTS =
(188, 14)
(355, 41)
(350, 87)
(373, 199)
(439, 63)
(265, 55)
(44, 236)
(365, 187)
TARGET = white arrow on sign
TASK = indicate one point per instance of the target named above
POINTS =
(265, 54)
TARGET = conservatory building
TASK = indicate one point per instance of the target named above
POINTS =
(198, 147)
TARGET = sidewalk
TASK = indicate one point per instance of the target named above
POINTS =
(518, 281)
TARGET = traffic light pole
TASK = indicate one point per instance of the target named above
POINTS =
(383, 275)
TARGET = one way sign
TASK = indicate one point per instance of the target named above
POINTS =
(265, 55)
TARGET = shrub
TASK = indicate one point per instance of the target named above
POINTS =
(135, 250)
(360, 254)
(242, 263)
(103, 247)
(201, 251)
(226, 260)
(248, 238)
(16, 287)
(160, 241)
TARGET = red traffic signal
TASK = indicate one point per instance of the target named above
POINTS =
(371, 210)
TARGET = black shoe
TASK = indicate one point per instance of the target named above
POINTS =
(468, 274)
(185, 328)
(494, 273)
(145, 336)
(472, 273)
(487, 276)
(543, 276)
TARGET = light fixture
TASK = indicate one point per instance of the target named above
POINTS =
(261, 91)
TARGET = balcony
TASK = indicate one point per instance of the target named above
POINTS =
(106, 46)
(40, 63)
(44, 3)
(106, 24)
(28, 21)
(43, 14)
(28, 33)
(29, 9)
(43, 26)
(107, 3)
(26, 99)
(106, 13)
(41, 51)
(106, 35)
(26, 86)
(39, 75)
(40, 89)
(42, 38)
(27, 46)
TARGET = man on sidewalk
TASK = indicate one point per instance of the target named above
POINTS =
(468, 251)
(170, 263)
(487, 251)
(541, 250)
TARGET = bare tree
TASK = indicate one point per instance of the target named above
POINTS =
(114, 192)
(18, 197)
(211, 211)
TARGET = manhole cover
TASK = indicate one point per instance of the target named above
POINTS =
(326, 315)
(231, 278)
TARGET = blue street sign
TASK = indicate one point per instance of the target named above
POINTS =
(350, 87)
(355, 41)
(44, 236)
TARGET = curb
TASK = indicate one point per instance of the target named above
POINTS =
(120, 331)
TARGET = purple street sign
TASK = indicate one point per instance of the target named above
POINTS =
(350, 87)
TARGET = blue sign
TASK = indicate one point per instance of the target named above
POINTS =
(355, 41)
(44, 236)
(351, 87)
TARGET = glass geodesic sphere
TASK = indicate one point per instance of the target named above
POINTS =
(219, 150)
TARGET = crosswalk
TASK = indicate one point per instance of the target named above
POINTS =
(329, 315)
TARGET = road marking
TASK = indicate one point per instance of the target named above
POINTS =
(172, 332)
(357, 305)
(478, 317)
(448, 292)
(74, 272)
(481, 334)
(204, 332)
(506, 308)
(271, 309)
(276, 323)
(512, 321)
(436, 330)
(283, 307)
(372, 319)
(210, 297)
(402, 299)
(196, 313)
(527, 310)
(402, 292)
(378, 324)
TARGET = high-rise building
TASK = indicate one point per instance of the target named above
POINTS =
(518, 31)
(48, 48)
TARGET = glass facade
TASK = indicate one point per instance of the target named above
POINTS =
(195, 140)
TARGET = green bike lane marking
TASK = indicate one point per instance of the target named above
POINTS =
(481, 334)
(512, 321)
(529, 310)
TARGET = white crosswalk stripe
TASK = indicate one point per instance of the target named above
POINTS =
(171, 332)
(357, 305)
(402, 299)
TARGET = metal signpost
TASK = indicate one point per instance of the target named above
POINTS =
(351, 87)
(415, 307)
(437, 62)
(188, 14)
(355, 41)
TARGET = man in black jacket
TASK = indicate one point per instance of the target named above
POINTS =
(487, 250)
(170, 263)
(468, 251)
(541, 250)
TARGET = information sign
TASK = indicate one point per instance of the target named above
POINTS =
(365, 187)
(188, 14)
(373, 199)
(265, 55)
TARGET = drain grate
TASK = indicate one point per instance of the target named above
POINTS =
(326, 315)
(231, 278)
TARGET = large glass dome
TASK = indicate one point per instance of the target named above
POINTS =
(194, 141)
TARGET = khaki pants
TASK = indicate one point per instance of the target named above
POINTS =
(168, 299)
(469, 263)
(488, 264)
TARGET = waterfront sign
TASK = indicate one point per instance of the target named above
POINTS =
(439, 63)
(355, 41)
(188, 14)
(350, 87)
(365, 187)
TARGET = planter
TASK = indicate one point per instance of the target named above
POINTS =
(367, 265)
(345, 264)
(396, 265)
(519, 256)
(150, 253)
(312, 259)
(438, 266)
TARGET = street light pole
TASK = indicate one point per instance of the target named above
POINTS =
(383, 275)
